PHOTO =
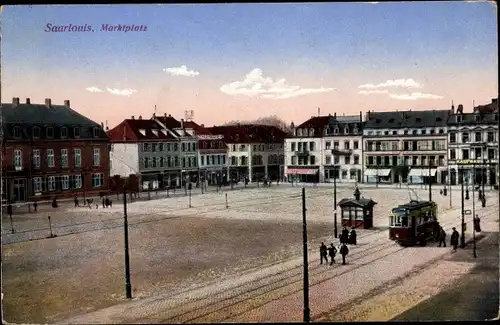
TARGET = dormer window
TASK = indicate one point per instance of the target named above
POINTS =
(326, 131)
(16, 132)
(336, 130)
(299, 132)
(478, 118)
(155, 132)
(346, 130)
(355, 130)
(50, 132)
(459, 118)
(36, 132)
(64, 132)
(95, 132)
(164, 132)
(76, 131)
(143, 132)
(311, 132)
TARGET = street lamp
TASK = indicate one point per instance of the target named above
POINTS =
(128, 286)
(462, 238)
(474, 214)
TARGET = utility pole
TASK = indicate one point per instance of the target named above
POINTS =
(335, 231)
(449, 184)
(462, 238)
(474, 214)
(128, 286)
(430, 181)
(307, 312)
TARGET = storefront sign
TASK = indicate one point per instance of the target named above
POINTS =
(210, 137)
(469, 162)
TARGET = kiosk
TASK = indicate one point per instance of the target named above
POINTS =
(357, 212)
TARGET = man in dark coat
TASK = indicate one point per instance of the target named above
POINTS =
(344, 236)
(76, 202)
(477, 223)
(323, 253)
(9, 210)
(442, 237)
(353, 237)
(332, 251)
(344, 250)
(454, 239)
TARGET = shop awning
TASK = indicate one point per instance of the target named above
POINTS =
(299, 171)
(377, 172)
(415, 172)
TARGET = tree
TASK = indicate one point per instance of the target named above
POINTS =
(272, 120)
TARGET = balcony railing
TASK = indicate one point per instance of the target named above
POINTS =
(302, 153)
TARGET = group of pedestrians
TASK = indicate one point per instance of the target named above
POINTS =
(331, 252)
(455, 235)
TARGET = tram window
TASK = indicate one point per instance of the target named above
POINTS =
(426, 216)
(404, 221)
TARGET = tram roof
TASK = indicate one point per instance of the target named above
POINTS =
(414, 204)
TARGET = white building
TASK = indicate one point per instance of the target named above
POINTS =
(254, 151)
(473, 146)
(405, 146)
(325, 147)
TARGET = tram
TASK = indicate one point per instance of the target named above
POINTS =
(414, 223)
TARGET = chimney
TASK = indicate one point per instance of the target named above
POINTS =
(102, 125)
(182, 123)
(66, 103)
(165, 115)
(28, 101)
(335, 115)
(48, 102)
(107, 128)
(368, 115)
(452, 108)
(154, 115)
(361, 116)
(15, 101)
(460, 109)
(203, 125)
(140, 117)
(169, 115)
(133, 117)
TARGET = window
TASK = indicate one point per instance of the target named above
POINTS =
(50, 132)
(311, 146)
(312, 159)
(478, 136)
(356, 144)
(344, 174)
(491, 136)
(477, 153)
(370, 160)
(78, 181)
(50, 158)
(65, 182)
(183, 146)
(146, 162)
(97, 180)
(414, 132)
(36, 132)
(465, 154)
(292, 147)
(346, 144)
(95, 132)
(97, 157)
(465, 137)
(36, 158)
(64, 158)
(356, 160)
(37, 185)
(18, 159)
(453, 154)
(76, 131)
(161, 147)
(16, 132)
(77, 154)
(335, 144)
(64, 132)
(51, 183)
(347, 160)
(491, 153)
(328, 160)
(328, 145)
(453, 137)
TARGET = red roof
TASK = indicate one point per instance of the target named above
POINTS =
(170, 122)
(130, 130)
(249, 133)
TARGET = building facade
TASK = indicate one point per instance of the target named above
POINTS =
(254, 151)
(473, 145)
(325, 148)
(212, 154)
(405, 147)
(146, 149)
(51, 151)
(188, 142)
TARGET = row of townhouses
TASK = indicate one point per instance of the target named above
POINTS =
(51, 150)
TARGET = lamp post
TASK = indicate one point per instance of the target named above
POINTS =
(462, 237)
(307, 312)
(128, 286)
(335, 230)
(474, 215)
(430, 181)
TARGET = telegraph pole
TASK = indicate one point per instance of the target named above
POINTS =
(307, 312)
(335, 231)
(474, 214)
(128, 286)
(430, 182)
(462, 238)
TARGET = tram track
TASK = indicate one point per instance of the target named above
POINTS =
(250, 292)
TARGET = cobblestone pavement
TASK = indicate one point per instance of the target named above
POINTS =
(274, 293)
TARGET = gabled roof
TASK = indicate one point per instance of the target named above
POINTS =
(407, 119)
(488, 108)
(473, 118)
(249, 133)
(131, 130)
(332, 122)
(362, 202)
(199, 129)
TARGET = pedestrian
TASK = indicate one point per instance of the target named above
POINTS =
(77, 204)
(484, 201)
(344, 250)
(352, 237)
(454, 239)
(344, 236)
(35, 205)
(107, 202)
(477, 223)
(323, 253)
(332, 251)
(9, 210)
(103, 202)
(442, 237)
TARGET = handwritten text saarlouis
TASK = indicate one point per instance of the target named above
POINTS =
(123, 28)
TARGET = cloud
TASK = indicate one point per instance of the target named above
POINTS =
(121, 92)
(375, 91)
(181, 71)
(255, 84)
(402, 83)
(94, 89)
(415, 96)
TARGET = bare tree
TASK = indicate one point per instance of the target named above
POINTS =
(272, 120)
